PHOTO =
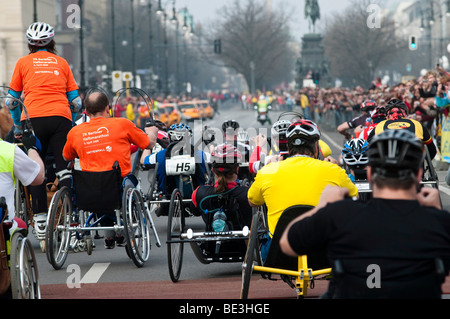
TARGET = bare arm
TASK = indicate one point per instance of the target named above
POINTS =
(34, 155)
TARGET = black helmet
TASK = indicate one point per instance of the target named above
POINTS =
(396, 103)
(230, 124)
(395, 153)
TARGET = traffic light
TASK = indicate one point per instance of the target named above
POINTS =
(217, 46)
(412, 43)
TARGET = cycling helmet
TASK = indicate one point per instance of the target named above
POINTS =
(280, 127)
(302, 131)
(355, 153)
(40, 34)
(178, 131)
(395, 153)
(230, 124)
(368, 105)
(394, 104)
(378, 114)
(226, 153)
(243, 137)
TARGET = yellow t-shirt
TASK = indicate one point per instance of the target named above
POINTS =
(297, 180)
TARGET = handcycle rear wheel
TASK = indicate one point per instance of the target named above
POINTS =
(136, 226)
(24, 269)
(61, 215)
(175, 227)
(253, 251)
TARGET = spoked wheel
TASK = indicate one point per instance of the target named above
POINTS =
(253, 252)
(24, 269)
(175, 227)
(137, 232)
(61, 215)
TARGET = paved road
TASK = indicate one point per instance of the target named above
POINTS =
(111, 274)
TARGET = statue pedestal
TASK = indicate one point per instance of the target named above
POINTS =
(312, 59)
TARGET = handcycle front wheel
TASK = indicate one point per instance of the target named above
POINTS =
(24, 269)
(136, 227)
(58, 235)
(253, 252)
(175, 227)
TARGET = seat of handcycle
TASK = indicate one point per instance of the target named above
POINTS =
(207, 207)
(98, 192)
(277, 259)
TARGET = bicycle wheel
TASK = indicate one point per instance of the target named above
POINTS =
(21, 203)
(136, 229)
(24, 269)
(253, 251)
(61, 215)
(175, 226)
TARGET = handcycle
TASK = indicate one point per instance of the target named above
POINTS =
(208, 246)
(75, 213)
(18, 266)
(299, 273)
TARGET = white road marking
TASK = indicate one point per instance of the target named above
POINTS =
(330, 140)
(94, 274)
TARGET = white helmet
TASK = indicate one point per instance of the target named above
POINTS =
(280, 127)
(40, 34)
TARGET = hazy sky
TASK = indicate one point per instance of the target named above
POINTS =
(204, 11)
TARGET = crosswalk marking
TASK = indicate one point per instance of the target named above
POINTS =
(94, 274)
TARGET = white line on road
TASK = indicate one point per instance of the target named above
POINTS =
(330, 140)
(94, 274)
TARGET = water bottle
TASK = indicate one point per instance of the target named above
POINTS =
(220, 221)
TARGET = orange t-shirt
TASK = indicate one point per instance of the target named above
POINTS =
(44, 78)
(102, 141)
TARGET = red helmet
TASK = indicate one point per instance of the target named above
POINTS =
(368, 105)
(378, 113)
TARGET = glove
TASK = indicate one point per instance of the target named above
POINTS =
(150, 123)
(31, 141)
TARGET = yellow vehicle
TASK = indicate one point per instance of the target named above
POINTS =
(169, 114)
(209, 111)
(189, 111)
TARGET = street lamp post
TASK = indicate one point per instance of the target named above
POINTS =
(133, 44)
(175, 21)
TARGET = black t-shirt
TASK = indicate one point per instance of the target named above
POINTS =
(362, 119)
(400, 237)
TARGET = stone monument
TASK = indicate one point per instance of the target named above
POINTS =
(312, 66)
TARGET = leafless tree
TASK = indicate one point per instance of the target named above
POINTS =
(357, 48)
(252, 34)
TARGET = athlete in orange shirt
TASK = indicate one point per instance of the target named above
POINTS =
(52, 101)
(104, 140)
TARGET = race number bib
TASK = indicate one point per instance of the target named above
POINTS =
(180, 165)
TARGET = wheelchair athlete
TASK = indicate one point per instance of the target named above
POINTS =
(218, 204)
(103, 140)
(355, 156)
(180, 144)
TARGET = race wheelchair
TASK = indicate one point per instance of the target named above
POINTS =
(299, 273)
(19, 275)
(98, 197)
